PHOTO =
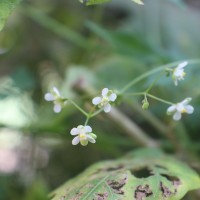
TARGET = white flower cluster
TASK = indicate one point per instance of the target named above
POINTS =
(83, 133)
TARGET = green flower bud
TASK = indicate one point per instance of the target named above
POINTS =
(84, 142)
(145, 104)
(93, 135)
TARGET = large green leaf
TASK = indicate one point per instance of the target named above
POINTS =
(144, 174)
(92, 2)
(6, 7)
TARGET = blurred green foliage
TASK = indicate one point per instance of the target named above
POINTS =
(65, 43)
(6, 7)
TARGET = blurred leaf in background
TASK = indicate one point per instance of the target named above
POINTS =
(6, 7)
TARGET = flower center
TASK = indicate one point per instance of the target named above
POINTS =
(183, 110)
(82, 136)
(183, 74)
(104, 101)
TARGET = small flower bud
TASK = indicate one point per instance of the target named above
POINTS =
(93, 136)
(145, 104)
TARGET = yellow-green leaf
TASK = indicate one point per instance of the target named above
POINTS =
(144, 174)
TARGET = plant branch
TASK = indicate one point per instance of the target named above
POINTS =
(153, 71)
(132, 129)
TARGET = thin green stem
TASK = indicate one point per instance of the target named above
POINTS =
(153, 71)
(154, 82)
(151, 96)
(134, 94)
(87, 120)
(96, 113)
(145, 97)
(78, 107)
(159, 99)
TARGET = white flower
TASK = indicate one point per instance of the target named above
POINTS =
(178, 109)
(83, 135)
(138, 2)
(103, 102)
(178, 73)
(55, 96)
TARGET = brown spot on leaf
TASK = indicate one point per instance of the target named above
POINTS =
(142, 192)
(102, 196)
(165, 190)
(175, 181)
(117, 185)
(78, 196)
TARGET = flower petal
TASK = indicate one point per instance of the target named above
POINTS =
(96, 100)
(55, 89)
(88, 129)
(175, 81)
(182, 65)
(91, 139)
(49, 97)
(57, 108)
(177, 116)
(179, 73)
(76, 140)
(74, 131)
(84, 142)
(104, 92)
(189, 109)
(112, 97)
(171, 109)
(107, 108)
(186, 101)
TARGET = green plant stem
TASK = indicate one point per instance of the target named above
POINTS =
(78, 107)
(132, 129)
(162, 128)
(154, 82)
(87, 120)
(159, 99)
(97, 112)
(91, 115)
(153, 71)
(151, 96)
